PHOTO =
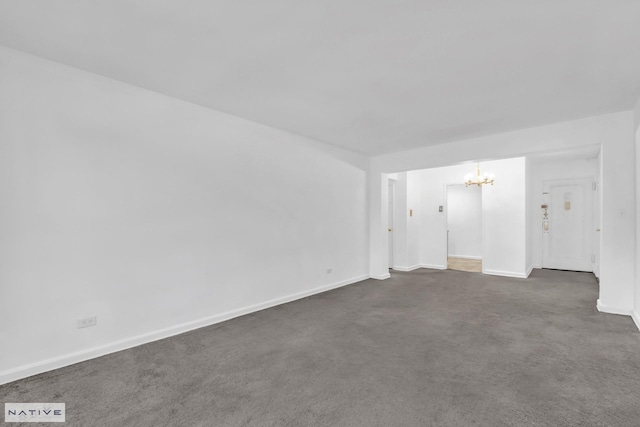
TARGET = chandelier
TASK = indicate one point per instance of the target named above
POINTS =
(478, 179)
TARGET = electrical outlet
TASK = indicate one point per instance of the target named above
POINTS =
(329, 270)
(87, 321)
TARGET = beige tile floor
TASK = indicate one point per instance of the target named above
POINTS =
(464, 264)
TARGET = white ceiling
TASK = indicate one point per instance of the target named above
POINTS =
(372, 76)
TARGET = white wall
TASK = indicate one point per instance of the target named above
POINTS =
(464, 221)
(503, 212)
(613, 131)
(400, 219)
(617, 250)
(529, 215)
(154, 214)
(414, 227)
(544, 170)
(636, 128)
(378, 187)
(406, 227)
(598, 219)
(504, 219)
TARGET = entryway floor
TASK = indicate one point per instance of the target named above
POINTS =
(464, 264)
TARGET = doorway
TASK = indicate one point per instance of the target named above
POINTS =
(464, 227)
(390, 226)
(567, 224)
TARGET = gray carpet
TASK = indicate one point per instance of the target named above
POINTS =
(441, 348)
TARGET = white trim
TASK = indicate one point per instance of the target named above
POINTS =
(465, 256)
(413, 267)
(30, 369)
(380, 276)
(613, 310)
(537, 266)
(437, 267)
(636, 318)
(505, 273)
(529, 270)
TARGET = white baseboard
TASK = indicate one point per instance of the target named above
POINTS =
(380, 276)
(538, 266)
(613, 310)
(437, 267)
(636, 318)
(400, 268)
(91, 353)
(529, 270)
(505, 273)
(465, 256)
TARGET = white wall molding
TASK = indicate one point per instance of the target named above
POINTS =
(413, 267)
(435, 266)
(91, 353)
(636, 318)
(380, 276)
(505, 273)
(465, 256)
(613, 310)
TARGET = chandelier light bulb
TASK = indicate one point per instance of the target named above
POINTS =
(478, 178)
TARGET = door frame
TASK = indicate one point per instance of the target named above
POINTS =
(445, 204)
(391, 222)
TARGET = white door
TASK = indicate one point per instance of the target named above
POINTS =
(567, 233)
(390, 224)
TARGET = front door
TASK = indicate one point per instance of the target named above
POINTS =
(567, 232)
